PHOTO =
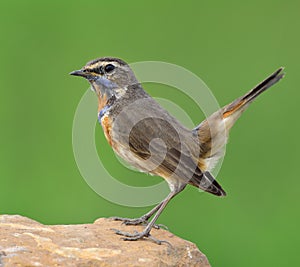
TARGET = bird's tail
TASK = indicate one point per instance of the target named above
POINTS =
(208, 183)
(233, 111)
(213, 132)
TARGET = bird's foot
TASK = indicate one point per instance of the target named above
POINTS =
(137, 236)
(127, 221)
(138, 221)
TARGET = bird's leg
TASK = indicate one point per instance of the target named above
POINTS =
(146, 233)
(142, 220)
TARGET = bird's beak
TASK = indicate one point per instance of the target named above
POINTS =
(79, 73)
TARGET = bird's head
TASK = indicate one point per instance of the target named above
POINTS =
(108, 76)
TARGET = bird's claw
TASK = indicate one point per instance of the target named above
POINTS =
(137, 236)
(138, 221)
(128, 221)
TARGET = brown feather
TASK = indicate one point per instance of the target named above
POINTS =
(213, 132)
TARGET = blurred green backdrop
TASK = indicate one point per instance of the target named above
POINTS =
(231, 45)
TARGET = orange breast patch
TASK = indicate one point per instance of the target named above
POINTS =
(102, 100)
(106, 125)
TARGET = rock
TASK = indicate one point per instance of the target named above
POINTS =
(24, 242)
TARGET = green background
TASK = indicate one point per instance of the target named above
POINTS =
(231, 45)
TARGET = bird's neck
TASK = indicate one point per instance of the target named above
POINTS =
(102, 102)
(104, 95)
(105, 100)
(108, 97)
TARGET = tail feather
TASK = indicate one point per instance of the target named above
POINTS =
(208, 183)
(213, 132)
(241, 103)
(264, 85)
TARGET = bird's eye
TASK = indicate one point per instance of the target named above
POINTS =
(109, 68)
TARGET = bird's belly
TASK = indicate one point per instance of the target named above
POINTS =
(127, 155)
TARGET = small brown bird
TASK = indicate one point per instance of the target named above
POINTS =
(145, 135)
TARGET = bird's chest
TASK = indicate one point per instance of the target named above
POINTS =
(106, 123)
(113, 136)
(104, 118)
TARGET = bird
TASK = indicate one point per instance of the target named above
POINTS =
(153, 141)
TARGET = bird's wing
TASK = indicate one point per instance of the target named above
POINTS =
(159, 144)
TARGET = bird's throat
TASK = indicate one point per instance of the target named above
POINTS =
(102, 101)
